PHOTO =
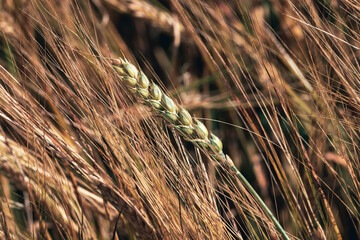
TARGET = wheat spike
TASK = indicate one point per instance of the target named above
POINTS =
(191, 129)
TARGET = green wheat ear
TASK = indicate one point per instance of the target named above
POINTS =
(148, 92)
(191, 129)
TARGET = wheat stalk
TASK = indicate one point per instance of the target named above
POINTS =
(191, 129)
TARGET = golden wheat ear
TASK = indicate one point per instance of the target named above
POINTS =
(190, 128)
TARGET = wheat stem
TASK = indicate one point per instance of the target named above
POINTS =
(191, 129)
(258, 198)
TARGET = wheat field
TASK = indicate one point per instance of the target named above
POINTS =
(180, 119)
